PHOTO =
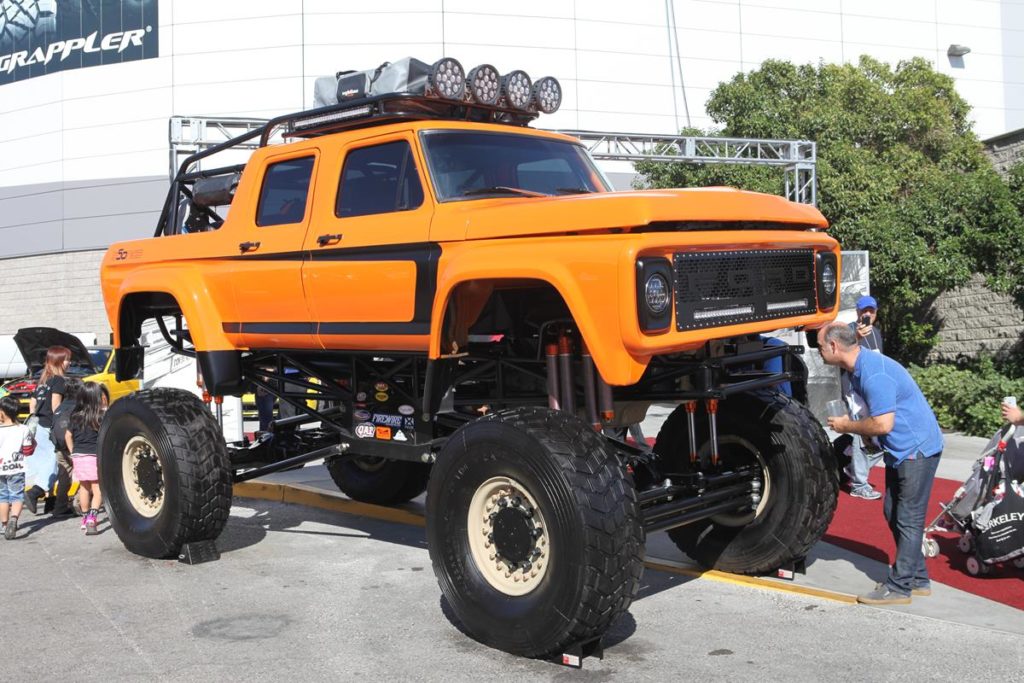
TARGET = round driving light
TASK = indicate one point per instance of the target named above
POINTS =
(448, 79)
(517, 89)
(547, 95)
(656, 293)
(484, 84)
(828, 279)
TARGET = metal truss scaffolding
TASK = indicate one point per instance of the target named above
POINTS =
(797, 158)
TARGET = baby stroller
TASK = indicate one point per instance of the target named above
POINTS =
(988, 509)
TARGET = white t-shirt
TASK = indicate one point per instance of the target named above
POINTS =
(11, 459)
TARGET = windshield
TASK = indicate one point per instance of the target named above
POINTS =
(99, 358)
(466, 165)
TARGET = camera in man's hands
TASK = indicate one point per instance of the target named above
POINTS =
(865, 319)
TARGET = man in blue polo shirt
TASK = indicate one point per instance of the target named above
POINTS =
(899, 415)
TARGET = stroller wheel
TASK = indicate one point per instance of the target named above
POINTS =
(930, 547)
(965, 544)
(973, 566)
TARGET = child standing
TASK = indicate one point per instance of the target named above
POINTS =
(12, 465)
(82, 439)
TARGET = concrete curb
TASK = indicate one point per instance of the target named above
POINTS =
(309, 496)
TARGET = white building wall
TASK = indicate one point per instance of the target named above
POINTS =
(83, 153)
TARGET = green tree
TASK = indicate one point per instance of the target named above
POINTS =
(900, 173)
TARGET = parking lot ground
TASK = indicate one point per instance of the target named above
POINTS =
(300, 591)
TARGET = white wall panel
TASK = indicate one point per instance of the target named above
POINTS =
(379, 6)
(625, 97)
(790, 24)
(345, 28)
(89, 113)
(29, 122)
(969, 13)
(523, 8)
(892, 54)
(220, 67)
(638, 12)
(213, 12)
(708, 15)
(114, 138)
(32, 239)
(912, 10)
(709, 45)
(707, 73)
(830, 6)
(237, 34)
(147, 162)
(623, 67)
(32, 208)
(30, 93)
(599, 35)
(30, 151)
(756, 49)
(18, 176)
(233, 97)
(873, 31)
(507, 30)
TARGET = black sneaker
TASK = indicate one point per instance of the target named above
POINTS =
(11, 529)
(32, 499)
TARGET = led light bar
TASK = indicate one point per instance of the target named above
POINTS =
(786, 305)
(723, 312)
(342, 115)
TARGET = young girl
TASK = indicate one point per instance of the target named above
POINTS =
(82, 439)
(12, 465)
(41, 471)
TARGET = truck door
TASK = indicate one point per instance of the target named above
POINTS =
(371, 272)
(267, 284)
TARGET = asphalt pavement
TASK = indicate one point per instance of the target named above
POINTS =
(303, 592)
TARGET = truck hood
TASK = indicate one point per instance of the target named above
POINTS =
(34, 341)
(520, 216)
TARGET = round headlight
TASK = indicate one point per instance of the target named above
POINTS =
(484, 84)
(447, 79)
(828, 279)
(517, 89)
(547, 95)
(656, 293)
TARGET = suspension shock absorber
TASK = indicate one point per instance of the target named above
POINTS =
(565, 374)
(589, 388)
(551, 354)
(202, 385)
(712, 406)
(218, 402)
(691, 428)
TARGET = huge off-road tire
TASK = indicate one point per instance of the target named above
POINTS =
(534, 531)
(799, 479)
(164, 471)
(377, 480)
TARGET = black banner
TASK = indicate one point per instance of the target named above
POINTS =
(39, 37)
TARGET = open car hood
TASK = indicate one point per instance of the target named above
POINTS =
(34, 341)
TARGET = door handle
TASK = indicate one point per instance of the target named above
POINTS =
(248, 246)
(324, 240)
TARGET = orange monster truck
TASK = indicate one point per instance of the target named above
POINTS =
(477, 314)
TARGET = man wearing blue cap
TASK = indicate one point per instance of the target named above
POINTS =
(864, 454)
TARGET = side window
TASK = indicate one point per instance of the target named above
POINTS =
(379, 179)
(284, 193)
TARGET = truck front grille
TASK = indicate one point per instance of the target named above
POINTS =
(716, 288)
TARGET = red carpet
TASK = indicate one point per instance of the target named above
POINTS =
(859, 526)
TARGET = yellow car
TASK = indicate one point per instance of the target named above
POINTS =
(88, 363)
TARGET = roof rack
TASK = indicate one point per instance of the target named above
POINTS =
(380, 109)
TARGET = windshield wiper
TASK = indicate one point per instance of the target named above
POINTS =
(573, 190)
(503, 189)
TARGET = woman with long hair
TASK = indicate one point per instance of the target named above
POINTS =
(41, 468)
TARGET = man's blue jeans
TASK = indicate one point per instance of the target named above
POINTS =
(907, 488)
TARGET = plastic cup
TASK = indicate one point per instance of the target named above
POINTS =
(836, 408)
(1010, 401)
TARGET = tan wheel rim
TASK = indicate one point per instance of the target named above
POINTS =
(743, 519)
(143, 477)
(508, 538)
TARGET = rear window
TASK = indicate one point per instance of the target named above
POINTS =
(284, 193)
